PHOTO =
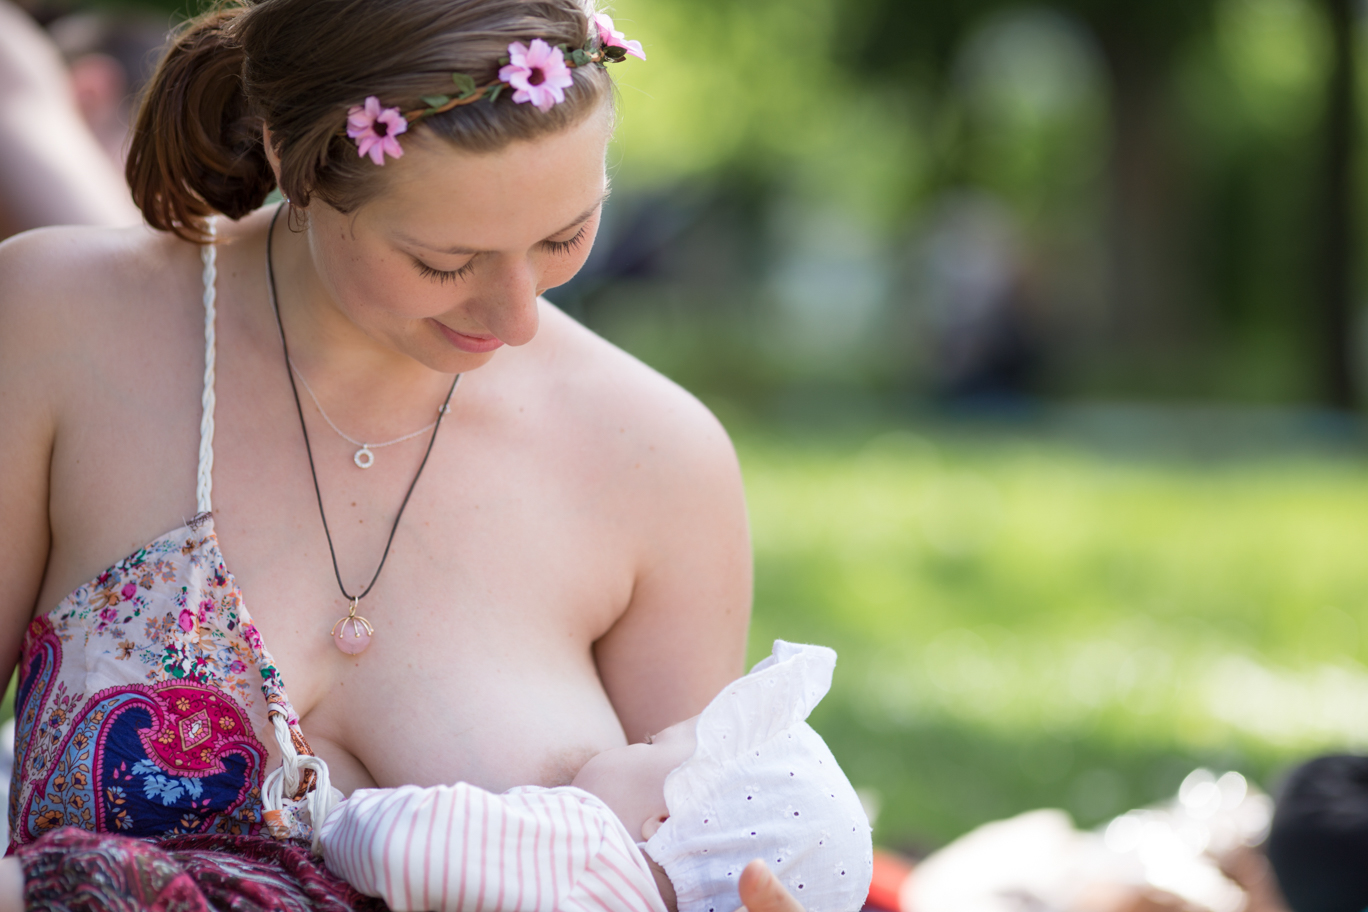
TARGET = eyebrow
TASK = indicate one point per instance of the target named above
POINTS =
(455, 251)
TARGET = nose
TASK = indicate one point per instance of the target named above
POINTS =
(506, 304)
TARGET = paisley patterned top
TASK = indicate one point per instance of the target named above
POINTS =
(143, 702)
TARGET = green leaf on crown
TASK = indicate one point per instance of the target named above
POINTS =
(465, 85)
(494, 93)
(580, 57)
(435, 101)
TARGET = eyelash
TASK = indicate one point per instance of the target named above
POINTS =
(443, 276)
(439, 275)
(566, 246)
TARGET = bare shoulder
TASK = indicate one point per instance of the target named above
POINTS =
(80, 266)
(619, 402)
(71, 258)
(64, 289)
(665, 479)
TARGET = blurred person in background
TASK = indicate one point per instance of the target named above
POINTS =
(56, 170)
(980, 324)
(109, 56)
(1319, 841)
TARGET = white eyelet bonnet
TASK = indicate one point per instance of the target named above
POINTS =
(763, 784)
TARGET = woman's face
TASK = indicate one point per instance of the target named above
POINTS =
(446, 263)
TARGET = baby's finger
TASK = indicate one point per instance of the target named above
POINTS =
(761, 891)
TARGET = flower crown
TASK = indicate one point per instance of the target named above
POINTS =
(538, 73)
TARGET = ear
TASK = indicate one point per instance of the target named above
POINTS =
(267, 141)
(652, 824)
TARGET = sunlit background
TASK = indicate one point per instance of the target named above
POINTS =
(1039, 328)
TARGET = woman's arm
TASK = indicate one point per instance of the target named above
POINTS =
(28, 423)
(54, 171)
(683, 635)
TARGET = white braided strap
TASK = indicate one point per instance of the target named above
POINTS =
(205, 484)
(285, 779)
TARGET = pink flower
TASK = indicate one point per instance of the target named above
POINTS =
(187, 620)
(376, 130)
(611, 37)
(129, 590)
(538, 73)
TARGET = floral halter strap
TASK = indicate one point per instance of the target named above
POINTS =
(146, 695)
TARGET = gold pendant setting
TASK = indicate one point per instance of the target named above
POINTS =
(352, 634)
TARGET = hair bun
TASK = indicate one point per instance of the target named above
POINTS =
(196, 145)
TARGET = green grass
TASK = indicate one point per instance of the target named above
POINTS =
(1029, 623)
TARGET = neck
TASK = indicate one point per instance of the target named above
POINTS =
(362, 377)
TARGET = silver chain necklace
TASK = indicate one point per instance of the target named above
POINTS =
(353, 633)
(365, 456)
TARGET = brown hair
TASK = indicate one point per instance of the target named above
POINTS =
(298, 65)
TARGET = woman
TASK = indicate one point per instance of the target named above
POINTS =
(572, 570)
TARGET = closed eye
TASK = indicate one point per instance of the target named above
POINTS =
(442, 276)
(560, 247)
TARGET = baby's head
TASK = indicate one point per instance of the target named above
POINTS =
(747, 778)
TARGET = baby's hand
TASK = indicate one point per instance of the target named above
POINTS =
(761, 891)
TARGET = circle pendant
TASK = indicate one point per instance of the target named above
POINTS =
(364, 458)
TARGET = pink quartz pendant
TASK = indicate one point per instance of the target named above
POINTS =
(352, 634)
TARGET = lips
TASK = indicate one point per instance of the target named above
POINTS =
(475, 345)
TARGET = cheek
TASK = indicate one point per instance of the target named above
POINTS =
(376, 287)
(558, 270)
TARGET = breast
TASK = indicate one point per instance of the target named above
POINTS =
(496, 712)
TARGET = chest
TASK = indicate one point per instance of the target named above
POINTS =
(502, 572)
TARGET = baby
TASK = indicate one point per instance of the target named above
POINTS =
(747, 778)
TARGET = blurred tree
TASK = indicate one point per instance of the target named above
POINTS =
(915, 41)
(1140, 41)
(1336, 238)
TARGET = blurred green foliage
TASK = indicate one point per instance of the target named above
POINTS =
(1024, 622)
(1161, 162)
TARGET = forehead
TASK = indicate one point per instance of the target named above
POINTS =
(445, 197)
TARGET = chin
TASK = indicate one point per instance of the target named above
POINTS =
(453, 362)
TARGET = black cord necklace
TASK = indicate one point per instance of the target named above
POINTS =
(352, 634)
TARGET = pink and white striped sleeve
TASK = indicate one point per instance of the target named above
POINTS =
(459, 848)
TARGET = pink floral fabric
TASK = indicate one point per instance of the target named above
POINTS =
(143, 700)
(70, 870)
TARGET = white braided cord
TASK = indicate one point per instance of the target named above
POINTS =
(320, 800)
(205, 484)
